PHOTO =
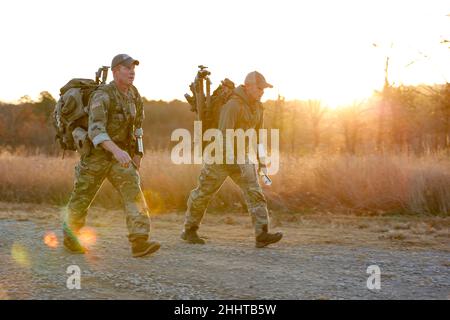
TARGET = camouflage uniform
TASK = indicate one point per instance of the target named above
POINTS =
(237, 113)
(112, 116)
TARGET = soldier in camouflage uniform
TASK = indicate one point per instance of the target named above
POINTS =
(115, 119)
(243, 111)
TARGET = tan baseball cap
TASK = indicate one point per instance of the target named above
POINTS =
(124, 59)
(258, 79)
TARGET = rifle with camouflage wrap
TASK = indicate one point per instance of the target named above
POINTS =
(207, 106)
(103, 73)
(200, 101)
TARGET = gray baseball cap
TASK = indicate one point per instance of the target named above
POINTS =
(124, 59)
(257, 78)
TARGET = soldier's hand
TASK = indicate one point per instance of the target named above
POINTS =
(122, 157)
(262, 169)
(137, 161)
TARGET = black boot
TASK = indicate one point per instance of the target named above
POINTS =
(191, 236)
(265, 238)
(71, 241)
(141, 247)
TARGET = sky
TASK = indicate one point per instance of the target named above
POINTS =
(307, 49)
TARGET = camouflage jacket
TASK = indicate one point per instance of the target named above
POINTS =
(115, 116)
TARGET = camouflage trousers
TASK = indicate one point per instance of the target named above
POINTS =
(211, 179)
(90, 173)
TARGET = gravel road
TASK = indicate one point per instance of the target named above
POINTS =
(228, 267)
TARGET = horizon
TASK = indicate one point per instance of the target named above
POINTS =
(28, 98)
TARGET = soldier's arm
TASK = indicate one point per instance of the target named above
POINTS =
(259, 126)
(140, 116)
(98, 118)
(262, 152)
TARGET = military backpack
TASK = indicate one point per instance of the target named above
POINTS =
(71, 113)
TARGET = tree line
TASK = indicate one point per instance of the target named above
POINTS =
(412, 119)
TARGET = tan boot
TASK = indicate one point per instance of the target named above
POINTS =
(71, 241)
(265, 238)
(142, 247)
(191, 236)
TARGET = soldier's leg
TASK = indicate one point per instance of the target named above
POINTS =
(247, 179)
(210, 180)
(90, 173)
(245, 176)
(127, 182)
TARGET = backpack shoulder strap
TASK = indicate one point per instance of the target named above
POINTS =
(107, 88)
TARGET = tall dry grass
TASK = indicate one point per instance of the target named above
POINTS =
(371, 183)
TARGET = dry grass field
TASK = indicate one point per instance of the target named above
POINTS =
(370, 184)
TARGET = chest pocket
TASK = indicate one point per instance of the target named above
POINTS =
(249, 118)
(117, 121)
(117, 117)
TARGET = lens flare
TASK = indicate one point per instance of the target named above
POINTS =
(87, 236)
(20, 255)
(51, 240)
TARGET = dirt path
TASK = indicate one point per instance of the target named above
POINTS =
(321, 257)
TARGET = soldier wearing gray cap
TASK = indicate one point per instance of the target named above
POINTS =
(116, 115)
(243, 111)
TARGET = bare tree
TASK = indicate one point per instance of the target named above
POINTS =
(350, 121)
(315, 111)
